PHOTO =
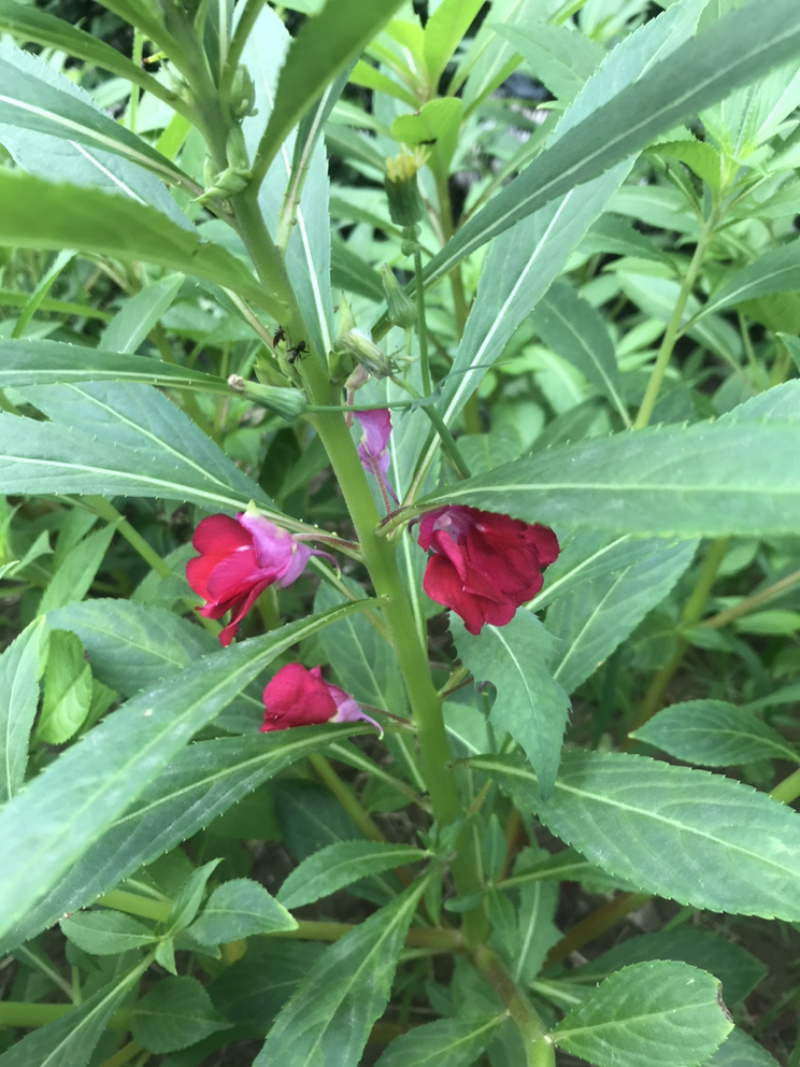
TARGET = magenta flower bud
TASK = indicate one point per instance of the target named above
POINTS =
(296, 696)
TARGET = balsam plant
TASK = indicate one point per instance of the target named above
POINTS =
(323, 319)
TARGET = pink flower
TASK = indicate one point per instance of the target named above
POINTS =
(238, 559)
(371, 451)
(296, 696)
(483, 565)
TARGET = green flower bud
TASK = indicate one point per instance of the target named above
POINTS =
(401, 309)
(405, 203)
(364, 352)
(236, 151)
(288, 403)
(243, 94)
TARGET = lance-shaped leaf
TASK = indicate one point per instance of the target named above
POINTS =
(341, 864)
(49, 826)
(659, 1014)
(707, 480)
(446, 1043)
(688, 835)
(329, 1017)
(774, 271)
(740, 1050)
(19, 698)
(239, 908)
(530, 705)
(199, 784)
(65, 216)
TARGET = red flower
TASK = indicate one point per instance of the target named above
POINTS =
(483, 565)
(299, 697)
(238, 559)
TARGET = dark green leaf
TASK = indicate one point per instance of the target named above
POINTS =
(19, 698)
(341, 864)
(446, 1043)
(174, 1013)
(238, 909)
(106, 933)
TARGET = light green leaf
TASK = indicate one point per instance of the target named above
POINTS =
(445, 1043)
(34, 95)
(530, 706)
(67, 689)
(734, 51)
(341, 864)
(559, 57)
(72, 1038)
(590, 622)
(687, 835)
(443, 32)
(173, 1014)
(200, 783)
(660, 1014)
(76, 571)
(774, 271)
(330, 1015)
(66, 216)
(56, 819)
(571, 327)
(117, 439)
(712, 733)
(705, 480)
(19, 698)
(186, 902)
(29, 362)
(436, 124)
(324, 46)
(237, 909)
(106, 933)
(139, 314)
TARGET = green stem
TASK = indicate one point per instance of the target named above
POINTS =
(787, 790)
(134, 904)
(595, 924)
(422, 327)
(250, 12)
(539, 1051)
(435, 940)
(673, 326)
(346, 798)
(749, 603)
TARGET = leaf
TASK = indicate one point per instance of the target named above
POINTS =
(530, 706)
(19, 699)
(329, 1017)
(571, 327)
(707, 480)
(435, 124)
(775, 271)
(740, 1050)
(76, 570)
(186, 902)
(67, 689)
(445, 1043)
(106, 933)
(560, 58)
(443, 32)
(72, 1038)
(738, 970)
(338, 865)
(49, 826)
(589, 623)
(34, 362)
(712, 733)
(66, 216)
(173, 1014)
(118, 439)
(734, 51)
(687, 835)
(660, 1014)
(139, 314)
(201, 782)
(237, 909)
(536, 930)
(325, 45)
(35, 96)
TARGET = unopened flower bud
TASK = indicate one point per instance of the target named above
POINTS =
(400, 306)
(243, 94)
(236, 151)
(364, 352)
(405, 203)
(288, 403)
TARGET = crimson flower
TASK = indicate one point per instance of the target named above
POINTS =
(483, 565)
(238, 559)
(295, 696)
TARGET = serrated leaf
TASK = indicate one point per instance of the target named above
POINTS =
(117, 438)
(707, 480)
(173, 1014)
(590, 622)
(106, 933)
(445, 1043)
(660, 1014)
(189, 897)
(76, 570)
(775, 271)
(530, 706)
(436, 124)
(443, 32)
(72, 1038)
(19, 698)
(67, 689)
(329, 1017)
(687, 835)
(560, 58)
(713, 733)
(67, 216)
(341, 864)
(200, 783)
(57, 818)
(740, 1050)
(237, 909)
(252, 990)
